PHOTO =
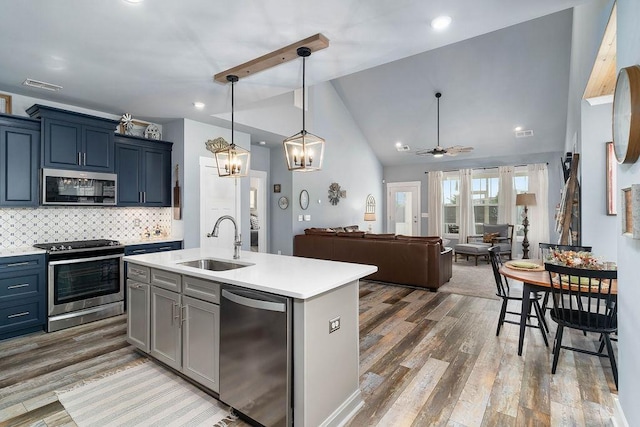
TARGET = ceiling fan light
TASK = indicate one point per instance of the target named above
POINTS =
(438, 155)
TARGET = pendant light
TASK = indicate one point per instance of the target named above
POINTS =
(232, 161)
(304, 151)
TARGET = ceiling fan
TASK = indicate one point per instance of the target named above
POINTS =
(439, 151)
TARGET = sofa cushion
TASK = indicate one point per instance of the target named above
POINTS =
(387, 236)
(320, 231)
(356, 234)
(430, 239)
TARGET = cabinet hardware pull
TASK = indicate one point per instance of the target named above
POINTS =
(84, 158)
(23, 285)
(136, 271)
(144, 197)
(17, 264)
(182, 314)
(24, 313)
(79, 159)
(176, 312)
(138, 251)
(165, 248)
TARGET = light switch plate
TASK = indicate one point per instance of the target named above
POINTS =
(299, 218)
(307, 217)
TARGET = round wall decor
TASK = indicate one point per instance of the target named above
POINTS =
(304, 200)
(283, 202)
(626, 115)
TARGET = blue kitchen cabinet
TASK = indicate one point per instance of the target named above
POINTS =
(19, 161)
(75, 141)
(22, 295)
(147, 248)
(144, 172)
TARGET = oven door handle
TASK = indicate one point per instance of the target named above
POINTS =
(78, 260)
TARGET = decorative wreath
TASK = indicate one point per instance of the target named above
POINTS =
(334, 193)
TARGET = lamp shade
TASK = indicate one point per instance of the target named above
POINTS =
(370, 216)
(526, 199)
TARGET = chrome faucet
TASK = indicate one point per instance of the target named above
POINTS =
(237, 242)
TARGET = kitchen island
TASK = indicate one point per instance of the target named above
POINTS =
(323, 320)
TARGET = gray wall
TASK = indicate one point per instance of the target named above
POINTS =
(598, 229)
(629, 249)
(281, 226)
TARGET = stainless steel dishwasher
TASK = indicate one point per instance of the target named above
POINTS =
(255, 355)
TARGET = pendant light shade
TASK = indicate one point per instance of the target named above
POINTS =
(232, 161)
(304, 151)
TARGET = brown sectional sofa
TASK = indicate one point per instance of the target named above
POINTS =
(404, 260)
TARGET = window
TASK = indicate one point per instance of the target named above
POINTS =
(484, 193)
(521, 185)
(450, 196)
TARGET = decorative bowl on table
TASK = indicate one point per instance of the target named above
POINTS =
(574, 259)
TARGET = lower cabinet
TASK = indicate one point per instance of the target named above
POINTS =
(139, 311)
(179, 328)
(200, 350)
(22, 295)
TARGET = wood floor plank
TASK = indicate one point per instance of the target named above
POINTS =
(407, 337)
(406, 408)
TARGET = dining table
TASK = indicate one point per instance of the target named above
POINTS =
(533, 281)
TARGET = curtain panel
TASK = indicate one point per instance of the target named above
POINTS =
(539, 214)
(435, 203)
(467, 217)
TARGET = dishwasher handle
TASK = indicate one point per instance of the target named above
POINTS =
(254, 303)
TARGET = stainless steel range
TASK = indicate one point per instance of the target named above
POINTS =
(84, 280)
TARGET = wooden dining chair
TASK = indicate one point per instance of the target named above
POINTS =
(582, 300)
(513, 292)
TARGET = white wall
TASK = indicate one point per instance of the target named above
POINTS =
(629, 249)
(598, 229)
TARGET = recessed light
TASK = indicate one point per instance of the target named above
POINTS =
(134, 1)
(518, 128)
(199, 105)
(262, 143)
(398, 144)
(441, 22)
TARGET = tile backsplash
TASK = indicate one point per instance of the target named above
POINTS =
(21, 227)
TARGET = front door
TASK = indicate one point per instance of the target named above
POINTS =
(403, 208)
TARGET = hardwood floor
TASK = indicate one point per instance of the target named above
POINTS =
(426, 359)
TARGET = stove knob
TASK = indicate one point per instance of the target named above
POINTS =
(53, 249)
(61, 248)
(69, 247)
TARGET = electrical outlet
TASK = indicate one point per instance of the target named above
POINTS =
(299, 217)
(136, 222)
(334, 324)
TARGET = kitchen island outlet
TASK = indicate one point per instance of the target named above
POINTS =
(174, 308)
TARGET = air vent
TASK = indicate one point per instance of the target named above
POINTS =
(524, 133)
(41, 85)
(403, 148)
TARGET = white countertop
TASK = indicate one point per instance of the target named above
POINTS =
(290, 276)
(25, 250)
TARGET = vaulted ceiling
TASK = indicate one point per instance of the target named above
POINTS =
(499, 65)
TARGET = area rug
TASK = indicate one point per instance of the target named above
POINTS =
(145, 394)
(469, 279)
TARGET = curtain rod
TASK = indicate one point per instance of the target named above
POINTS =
(493, 167)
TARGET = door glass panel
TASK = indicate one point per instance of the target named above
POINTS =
(403, 208)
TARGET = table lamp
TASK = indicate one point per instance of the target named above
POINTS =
(525, 199)
(369, 216)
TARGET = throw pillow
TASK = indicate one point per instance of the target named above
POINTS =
(351, 228)
(488, 237)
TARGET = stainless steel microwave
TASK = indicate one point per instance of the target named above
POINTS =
(69, 187)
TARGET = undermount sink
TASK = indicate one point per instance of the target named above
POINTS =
(214, 264)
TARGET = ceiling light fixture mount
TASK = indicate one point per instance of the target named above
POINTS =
(303, 149)
(277, 57)
(232, 161)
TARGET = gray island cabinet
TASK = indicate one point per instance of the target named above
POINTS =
(174, 317)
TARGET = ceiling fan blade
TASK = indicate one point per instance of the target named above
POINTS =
(451, 153)
(459, 149)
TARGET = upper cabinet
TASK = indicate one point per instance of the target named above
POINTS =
(19, 161)
(144, 171)
(75, 141)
